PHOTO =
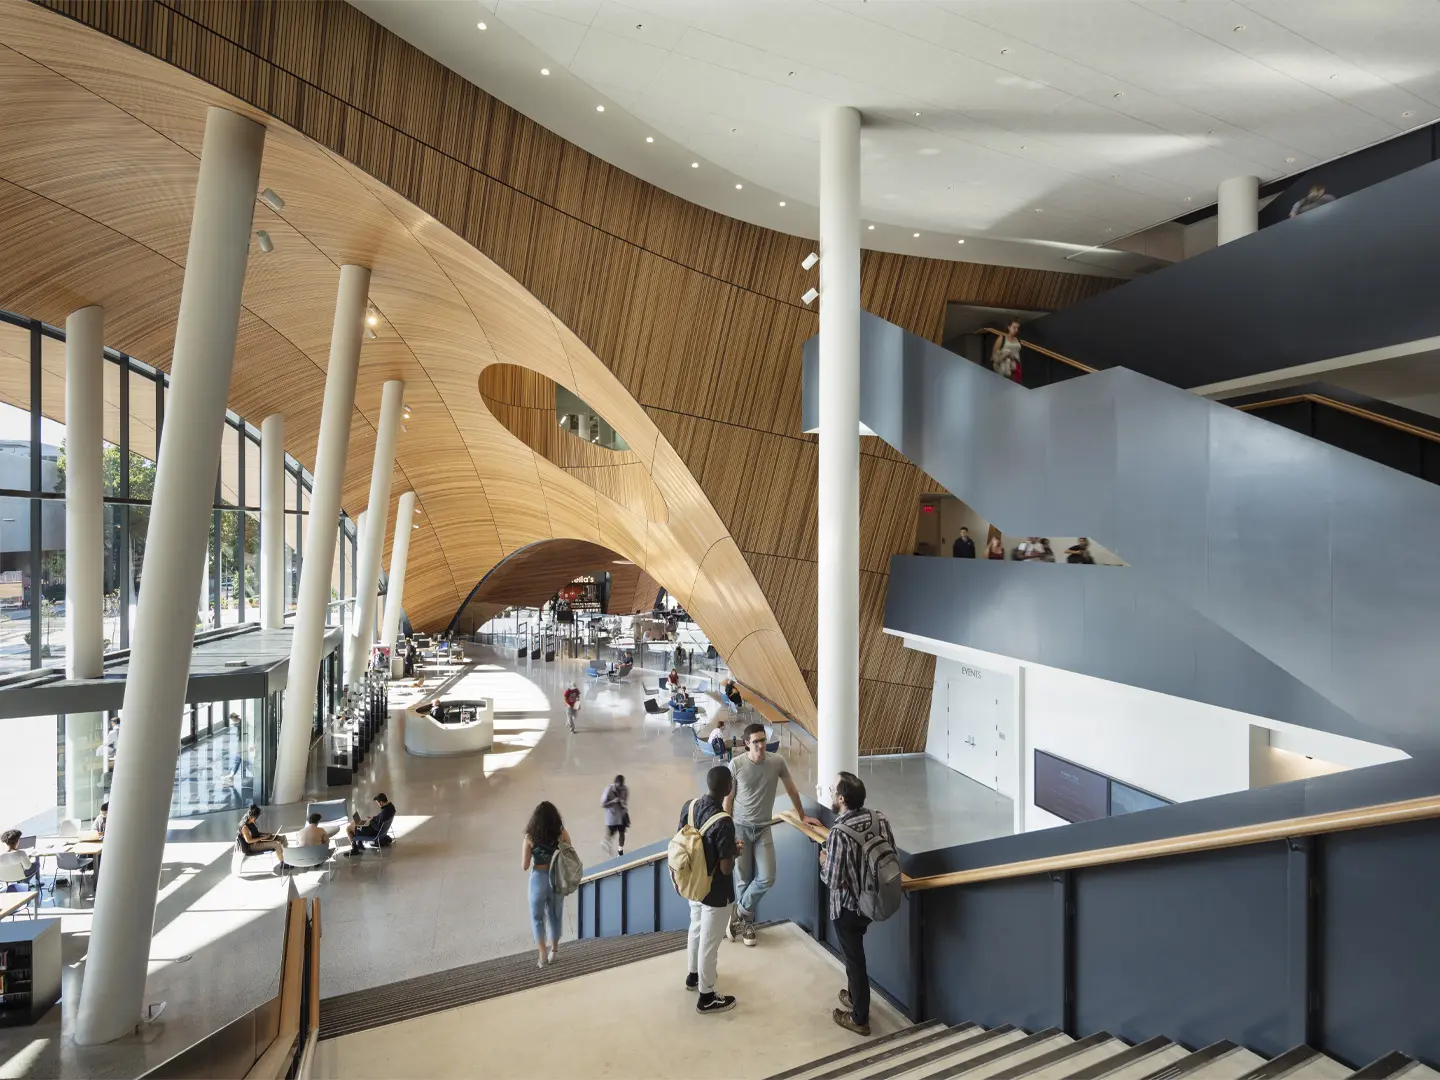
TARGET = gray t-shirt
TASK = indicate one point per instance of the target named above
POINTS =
(755, 787)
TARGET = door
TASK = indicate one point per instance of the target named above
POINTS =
(970, 731)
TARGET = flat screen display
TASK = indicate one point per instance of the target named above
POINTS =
(1070, 791)
(1125, 799)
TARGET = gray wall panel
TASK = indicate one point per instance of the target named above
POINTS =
(1251, 526)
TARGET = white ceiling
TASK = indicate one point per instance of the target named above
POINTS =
(1031, 129)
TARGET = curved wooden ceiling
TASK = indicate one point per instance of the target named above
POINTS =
(695, 316)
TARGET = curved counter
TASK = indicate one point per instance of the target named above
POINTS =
(427, 737)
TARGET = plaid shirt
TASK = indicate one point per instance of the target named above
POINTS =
(844, 870)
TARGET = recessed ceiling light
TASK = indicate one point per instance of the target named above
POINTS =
(1109, 230)
(479, 26)
(1004, 52)
(599, 108)
(694, 164)
(1118, 93)
(1022, 146)
(917, 114)
(1289, 161)
(1189, 199)
(649, 138)
(1039, 209)
(1408, 113)
(1335, 76)
(917, 236)
(870, 226)
(544, 71)
(1238, 27)
(739, 187)
(959, 241)
(782, 202)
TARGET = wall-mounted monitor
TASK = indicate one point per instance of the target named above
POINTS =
(1070, 791)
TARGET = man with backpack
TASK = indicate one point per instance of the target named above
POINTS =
(702, 858)
(860, 867)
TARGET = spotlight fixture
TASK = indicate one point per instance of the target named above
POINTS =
(1238, 28)
(599, 108)
(694, 164)
(266, 244)
(405, 411)
(480, 26)
(809, 297)
(782, 202)
(417, 509)
(739, 187)
(416, 525)
(870, 227)
(916, 235)
(369, 334)
(272, 200)
(544, 71)
(1408, 113)
(649, 138)
(809, 261)
(959, 241)
(917, 114)
(371, 319)
(1289, 161)
(1039, 209)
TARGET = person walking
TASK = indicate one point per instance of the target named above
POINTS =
(616, 801)
(842, 869)
(751, 802)
(709, 915)
(572, 705)
(543, 836)
(964, 547)
(1005, 356)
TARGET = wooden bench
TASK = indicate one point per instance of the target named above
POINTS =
(11, 903)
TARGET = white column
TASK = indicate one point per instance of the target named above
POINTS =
(372, 537)
(113, 987)
(272, 522)
(320, 531)
(84, 549)
(399, 554)
(838, 700)
(1238, 208)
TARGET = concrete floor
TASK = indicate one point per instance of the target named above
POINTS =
(451, 891)
(635, 1020)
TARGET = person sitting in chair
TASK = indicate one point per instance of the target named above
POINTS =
(252, 841)
(372, 830)
(674, 679)
(719, 740)
(11, 855)
(732, 696)
(679, 699)
(312, 835)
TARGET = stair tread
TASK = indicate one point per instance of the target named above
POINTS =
(1418, 1071)
(1219, 1061)
(1299, 1063)
(896, 1039)
(1133, 1063)
(1060, 1062)
(1041, 1044)
(976, 1042)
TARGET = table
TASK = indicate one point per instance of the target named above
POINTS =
(87, 845)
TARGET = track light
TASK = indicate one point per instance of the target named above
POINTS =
(417, 509)
(371, 318)
(272, 200)
(369, 334)
(809, 297)
(266, 244)
(405, 411)
(809, 260)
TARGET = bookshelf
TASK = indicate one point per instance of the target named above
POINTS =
(29, 970)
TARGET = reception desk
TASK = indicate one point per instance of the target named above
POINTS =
(468, 728)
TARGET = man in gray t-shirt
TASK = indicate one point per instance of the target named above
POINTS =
(751, 803)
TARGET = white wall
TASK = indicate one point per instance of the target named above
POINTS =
(1178, 749)
(31, 756)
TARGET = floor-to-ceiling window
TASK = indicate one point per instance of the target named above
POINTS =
(32, 534)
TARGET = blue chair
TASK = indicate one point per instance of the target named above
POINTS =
(702, 748)
(685, 716)
(595, 672)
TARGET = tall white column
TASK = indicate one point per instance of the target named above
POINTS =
(372, 537)
(113, 987)
(838, 700)
(320, 530)
(84, 550)
(272, 522)
(1238, 208)
(399, 555)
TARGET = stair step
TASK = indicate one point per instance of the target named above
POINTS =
(1418, 1071)
(1388, 1067)
(970, 1043)
(988, 1063)
(1218, 1061)
(1300, 1063)
(1133, 1062)
(1062, 1061)
(896, 1040)
(865, 1063)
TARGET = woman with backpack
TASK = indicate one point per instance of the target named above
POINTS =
(544, 836)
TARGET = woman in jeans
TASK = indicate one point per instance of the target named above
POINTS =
(542, 836)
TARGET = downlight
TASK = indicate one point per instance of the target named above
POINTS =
(266, 244)
(809, 296)
(272, 200)
(809, 261)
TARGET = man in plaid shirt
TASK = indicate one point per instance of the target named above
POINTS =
(843, 870)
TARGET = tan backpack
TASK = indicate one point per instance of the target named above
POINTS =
(686, 856)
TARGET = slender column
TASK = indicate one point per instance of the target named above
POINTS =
(372, 537)
(272, 522)
(399, 554)
(1238, 208)
(298, 710)
(113, 989)
(84, 549)
(839, 496)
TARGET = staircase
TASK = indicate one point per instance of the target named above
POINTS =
(933, 1051)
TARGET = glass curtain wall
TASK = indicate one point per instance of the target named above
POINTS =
(32, 539)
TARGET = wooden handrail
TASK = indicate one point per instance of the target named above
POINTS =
(1353, 410)
(1044, 351)
(1364, 817)
(275, 1062)
(610, 871)
(818, 833)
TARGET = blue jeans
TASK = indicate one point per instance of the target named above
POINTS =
(545, 902)
(755, 868)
